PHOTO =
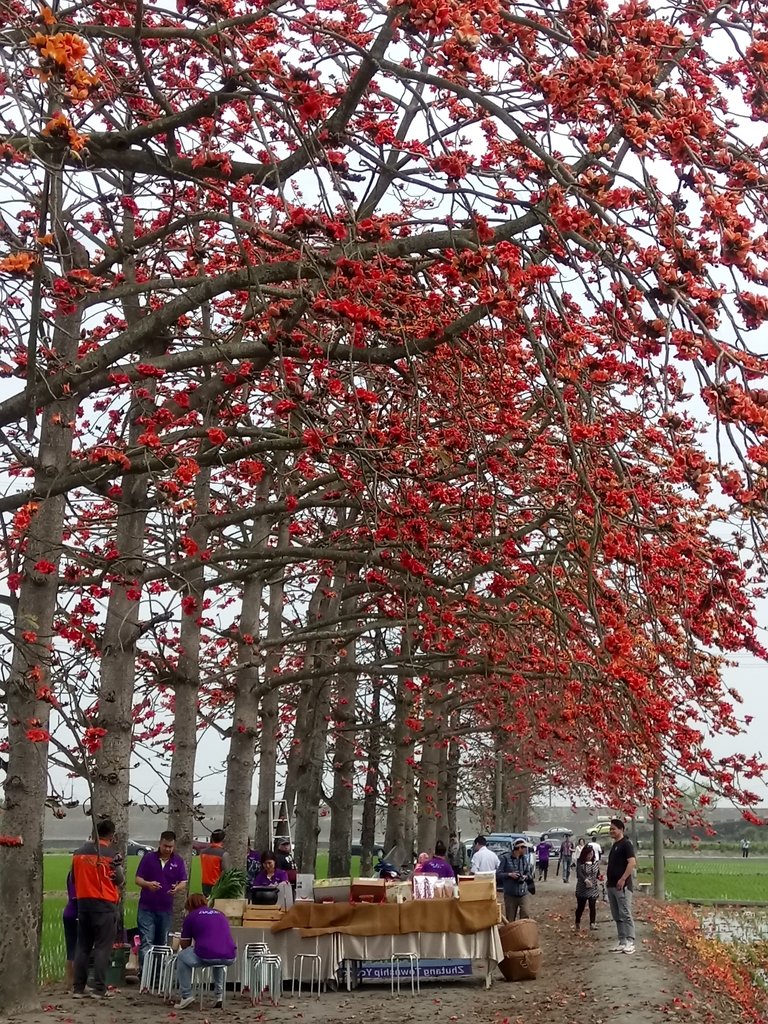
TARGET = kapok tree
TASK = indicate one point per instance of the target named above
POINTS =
(346, 185)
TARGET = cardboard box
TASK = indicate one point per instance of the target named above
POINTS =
(368, 890)
(477, 889)
(332, 890)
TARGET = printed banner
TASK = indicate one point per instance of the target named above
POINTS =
(381, 970)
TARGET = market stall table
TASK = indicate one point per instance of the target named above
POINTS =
(433, 929)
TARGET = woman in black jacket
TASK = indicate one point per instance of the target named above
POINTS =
(587, 888)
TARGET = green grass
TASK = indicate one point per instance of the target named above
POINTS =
(703, 879)
(57, 865)
(53, 952)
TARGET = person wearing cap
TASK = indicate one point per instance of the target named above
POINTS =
(513, 875)
(483, 859)
(284, 859)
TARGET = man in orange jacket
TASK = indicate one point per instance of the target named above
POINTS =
(98, 875)
(213, 860)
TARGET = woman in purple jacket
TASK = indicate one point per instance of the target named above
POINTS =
(270, 873)
(69, 921)
(542, 858)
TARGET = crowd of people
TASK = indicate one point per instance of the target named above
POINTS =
(94, 886)
(518, 871)
(97, 876)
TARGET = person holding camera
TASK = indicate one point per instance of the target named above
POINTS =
(515, 876)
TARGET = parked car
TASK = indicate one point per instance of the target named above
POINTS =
(602, 828)
(555, 837)
(501, 842)
(357, 848)
(135, 849)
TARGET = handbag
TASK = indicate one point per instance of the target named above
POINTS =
(531, 886)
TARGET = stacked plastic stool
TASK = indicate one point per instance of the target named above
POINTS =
(168, 979)
(250, 966)
(153, 968)
(271, 977)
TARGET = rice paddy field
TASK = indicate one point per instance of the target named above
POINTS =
(686, 878)
(712, 878)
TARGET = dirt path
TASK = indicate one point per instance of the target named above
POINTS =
(580, 981)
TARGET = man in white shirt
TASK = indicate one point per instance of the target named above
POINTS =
(483, 859)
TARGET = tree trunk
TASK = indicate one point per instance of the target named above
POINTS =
(312, 729)
(29, 681)
(111, 776)
(186, 685)
(296, 754)
(442, 793)
(370, 799)
(245, 715)
(426, 831)
(452, 785)
(410, 821)
(659, 885)
(270, 705)
(516, 803)
(182, 812)
(498, 789)
(342, 801)
(312, 763)
(396, 831)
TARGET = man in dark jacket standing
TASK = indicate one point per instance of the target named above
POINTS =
(621, 865)
(457, 855)
(284, 858)
(98, 875)
(514, 874)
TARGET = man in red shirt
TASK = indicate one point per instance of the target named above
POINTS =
(213, 860)
(98, 875)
